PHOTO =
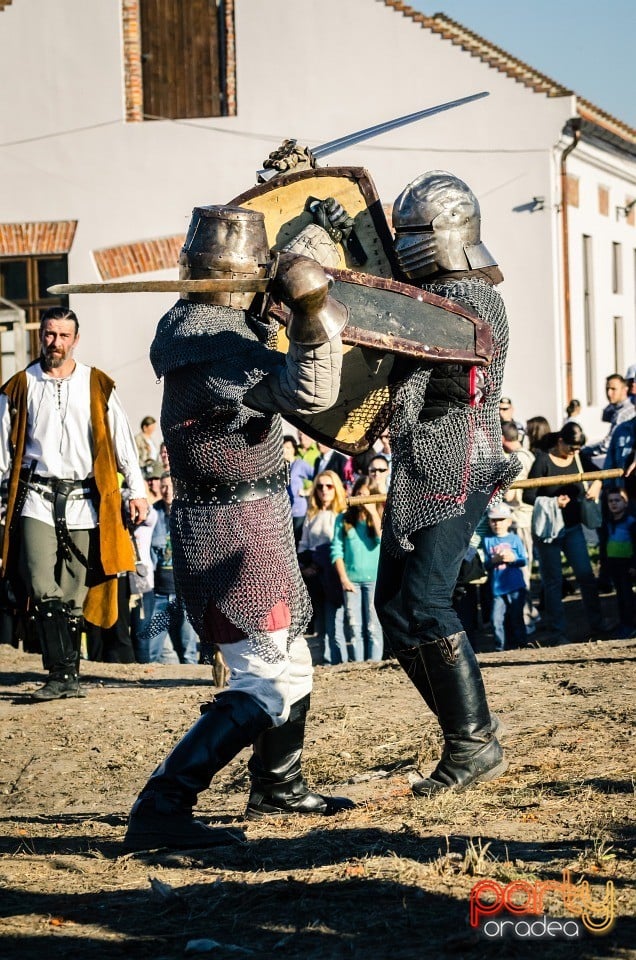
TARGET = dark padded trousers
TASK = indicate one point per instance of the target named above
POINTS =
(414, 594)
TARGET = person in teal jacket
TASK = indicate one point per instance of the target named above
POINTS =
(355, 551)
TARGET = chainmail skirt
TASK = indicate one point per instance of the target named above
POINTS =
(241, 558)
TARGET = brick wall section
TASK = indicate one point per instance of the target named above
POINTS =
(36, 239)
(230, 59)
(572, 190)
(133, 81)
(129, 259)
(603, 201)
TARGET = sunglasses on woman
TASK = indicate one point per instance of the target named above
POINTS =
(324, 486)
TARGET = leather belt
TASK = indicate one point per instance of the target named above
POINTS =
(57, 492)
(51, 487)
(223, 494)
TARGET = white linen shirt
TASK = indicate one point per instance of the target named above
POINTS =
(317, 530)
(59, 440)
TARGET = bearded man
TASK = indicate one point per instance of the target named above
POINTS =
(63, 437)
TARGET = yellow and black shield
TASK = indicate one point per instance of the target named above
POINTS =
(387, 317)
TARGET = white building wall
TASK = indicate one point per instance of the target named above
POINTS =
(315, 69)
(596, 168)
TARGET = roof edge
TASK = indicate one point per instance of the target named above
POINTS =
(519, 71)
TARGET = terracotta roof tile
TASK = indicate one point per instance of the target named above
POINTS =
(36, 239)
(516, 69)
(145, 256)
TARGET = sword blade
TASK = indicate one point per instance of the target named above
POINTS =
(164, 286)
(325, 149)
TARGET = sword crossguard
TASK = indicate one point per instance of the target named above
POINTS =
(285, 159)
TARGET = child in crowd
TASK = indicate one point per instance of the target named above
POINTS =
(619, 535)
(505, 555)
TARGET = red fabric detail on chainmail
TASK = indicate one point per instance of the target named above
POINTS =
(279, 617)
(218, 629)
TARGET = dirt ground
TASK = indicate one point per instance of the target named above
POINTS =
(390, 879)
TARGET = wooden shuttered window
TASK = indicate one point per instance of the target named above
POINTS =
(183, 58)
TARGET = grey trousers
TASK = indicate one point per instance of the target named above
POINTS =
(47, 573)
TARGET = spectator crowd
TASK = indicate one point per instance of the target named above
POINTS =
(512, 580)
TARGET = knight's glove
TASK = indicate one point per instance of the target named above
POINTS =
(303, 285)
(333, 218)
(289, 156)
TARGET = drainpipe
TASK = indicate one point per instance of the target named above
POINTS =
(575, 127)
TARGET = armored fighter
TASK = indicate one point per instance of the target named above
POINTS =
(428, 343)
(447, 464)
(440, 399)
(234, 554)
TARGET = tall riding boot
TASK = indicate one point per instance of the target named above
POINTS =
(58, 652)
(472, 753)
(162, 814)
(278, 785)
(75, 632)
(413, 665)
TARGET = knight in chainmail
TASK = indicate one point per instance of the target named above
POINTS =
(234, 553)
(447, 465)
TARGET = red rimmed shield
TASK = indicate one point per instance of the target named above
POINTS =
(387, 318)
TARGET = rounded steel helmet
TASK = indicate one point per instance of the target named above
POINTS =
(226, 243)
(437, 227)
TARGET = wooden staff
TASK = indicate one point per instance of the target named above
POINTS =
(370, 498)
(517, 485)
(565, 478)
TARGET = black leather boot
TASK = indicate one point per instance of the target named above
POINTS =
(472, 753)
(278, 785)
(58, 652)
(413, 665)
(162, 814)
(75, 625)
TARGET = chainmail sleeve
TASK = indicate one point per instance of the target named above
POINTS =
(437, 463)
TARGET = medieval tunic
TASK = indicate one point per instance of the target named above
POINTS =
(445, 429)
(73, 428)
(448, 463)
(235, 563)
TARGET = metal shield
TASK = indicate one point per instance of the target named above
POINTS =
(387, 318)
(389, 315)
(283, 202)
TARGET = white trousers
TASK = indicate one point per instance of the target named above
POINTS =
(275, 686)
